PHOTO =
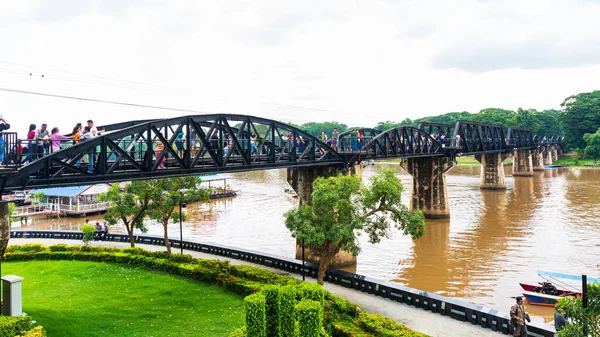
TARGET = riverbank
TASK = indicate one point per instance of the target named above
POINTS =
(572, 160)
(416, 319)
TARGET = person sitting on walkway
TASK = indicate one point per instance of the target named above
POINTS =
(559, 320)
(104, 230)
(99, 231)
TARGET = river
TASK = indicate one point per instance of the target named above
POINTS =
(492, 241)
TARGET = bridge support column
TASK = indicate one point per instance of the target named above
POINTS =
(554, 151)
(301, 179)
(547, 155)
(522, 163)
(429, 192)
(492, 171)
(537, 159)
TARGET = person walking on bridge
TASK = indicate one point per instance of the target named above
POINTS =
(518, 317)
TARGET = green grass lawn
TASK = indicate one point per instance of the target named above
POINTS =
(74, 298)
(574, 161)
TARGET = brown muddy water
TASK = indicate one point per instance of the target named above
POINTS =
(492, 241)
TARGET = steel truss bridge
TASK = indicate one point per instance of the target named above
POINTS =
(229, 143)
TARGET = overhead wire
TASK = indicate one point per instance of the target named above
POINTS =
(134, 85)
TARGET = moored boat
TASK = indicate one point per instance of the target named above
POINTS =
(540, 289)
(541, 299)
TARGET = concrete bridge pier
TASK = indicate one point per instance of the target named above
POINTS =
(547, 155)
(301, 179)
(492, 171)
(554, 151)
(429, 191)
(522, 163)
(537, 159)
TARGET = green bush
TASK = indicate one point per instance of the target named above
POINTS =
(88, 233)
(287, 310)
(312, 291)
(38, 331)
(310, 318)
(384, 327)
(60, 247)
(28, 247)
(347, 329)
(256, 320)
(12, 326)
(273, 308)
(239, 332)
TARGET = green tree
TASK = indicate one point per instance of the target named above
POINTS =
(447, 118)
(167, 194)
(342, 207)
(584, 322)
(496, 116)
(128, 206)
(581, 115)
(592, 148)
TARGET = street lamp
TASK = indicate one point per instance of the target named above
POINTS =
(181, 207)
(303, 267)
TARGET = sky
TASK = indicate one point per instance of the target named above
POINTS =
(355, 62)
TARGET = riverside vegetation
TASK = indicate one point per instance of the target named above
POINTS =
(276, 296)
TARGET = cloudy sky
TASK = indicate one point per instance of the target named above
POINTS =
(357, 62)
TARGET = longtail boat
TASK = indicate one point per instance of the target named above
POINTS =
(546, 293)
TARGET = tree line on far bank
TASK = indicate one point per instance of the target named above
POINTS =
(580, 114)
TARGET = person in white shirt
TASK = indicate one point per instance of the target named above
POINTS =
(93, 130)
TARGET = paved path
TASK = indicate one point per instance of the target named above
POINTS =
(427, 322)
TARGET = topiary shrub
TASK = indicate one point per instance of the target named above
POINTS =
(312, 291)
(287, 310)
(273, 308)
(11, 326)
(88, 233)
(256, 320)
(310, 318)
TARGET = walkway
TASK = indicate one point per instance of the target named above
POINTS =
(427, 322)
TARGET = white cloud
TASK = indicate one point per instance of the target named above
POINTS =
(355, 62)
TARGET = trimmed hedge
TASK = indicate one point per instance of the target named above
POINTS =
(310, 318)
(11, 326)
(287, 310)
(273, 309)
(313, 291)
(339, 316)
(256, 319)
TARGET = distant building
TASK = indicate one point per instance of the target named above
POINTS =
(74, 200)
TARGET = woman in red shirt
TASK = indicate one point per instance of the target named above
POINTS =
(32, 155)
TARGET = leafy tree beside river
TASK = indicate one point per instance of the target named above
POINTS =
(342, 207)
(581, 115)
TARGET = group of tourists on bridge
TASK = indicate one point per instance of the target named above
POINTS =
(41, 142)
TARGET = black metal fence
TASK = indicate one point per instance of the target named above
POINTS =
(454, 308)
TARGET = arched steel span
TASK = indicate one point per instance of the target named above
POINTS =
(212, 145)
(518, 138)
(404, 142)
(348, 142)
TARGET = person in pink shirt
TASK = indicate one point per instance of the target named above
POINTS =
(56, 138)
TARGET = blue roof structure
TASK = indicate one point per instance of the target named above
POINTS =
(71, 191)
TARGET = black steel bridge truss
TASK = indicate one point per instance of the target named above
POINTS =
(227, 143)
